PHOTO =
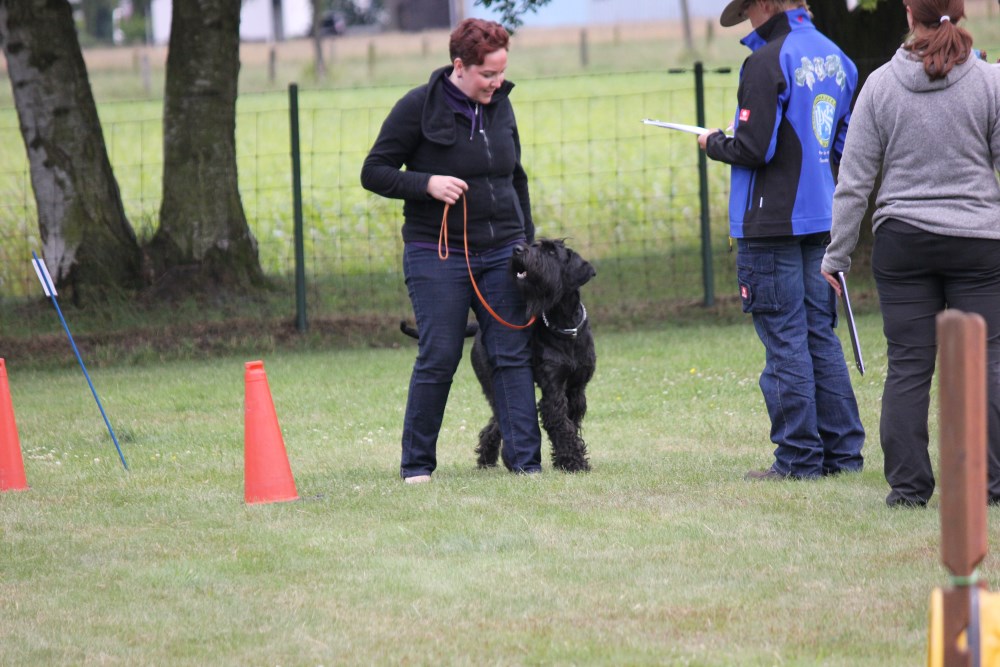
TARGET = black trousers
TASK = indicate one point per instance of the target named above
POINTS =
(918, 275)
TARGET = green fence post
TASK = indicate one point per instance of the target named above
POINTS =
(706, 226)
(300, 259)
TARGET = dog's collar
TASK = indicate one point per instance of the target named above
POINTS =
(572, 333)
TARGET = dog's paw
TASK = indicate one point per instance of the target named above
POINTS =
(572, 466)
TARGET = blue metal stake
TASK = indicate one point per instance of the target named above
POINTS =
(43, 275)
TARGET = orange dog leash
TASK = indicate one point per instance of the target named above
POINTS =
(443, 254)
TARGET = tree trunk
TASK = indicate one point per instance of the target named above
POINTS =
(203, 229)
(87, 241)
(869, 38)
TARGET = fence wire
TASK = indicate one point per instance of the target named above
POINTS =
(623, 194)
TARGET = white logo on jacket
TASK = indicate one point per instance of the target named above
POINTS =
(820, 69)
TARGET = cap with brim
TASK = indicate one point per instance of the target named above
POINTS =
(733, 14)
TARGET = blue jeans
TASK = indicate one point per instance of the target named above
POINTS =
(441, 294)
(815, 423)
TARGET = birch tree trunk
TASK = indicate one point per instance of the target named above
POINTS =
(203, 229)
(88, 243)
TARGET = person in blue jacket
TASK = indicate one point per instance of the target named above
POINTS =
(793, 108)
(457, 138)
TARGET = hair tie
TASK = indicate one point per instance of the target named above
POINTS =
(945, 18)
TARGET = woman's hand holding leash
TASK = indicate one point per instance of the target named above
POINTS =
(446, 188)
(443, 254)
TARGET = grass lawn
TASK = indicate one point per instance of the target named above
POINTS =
(663, 555)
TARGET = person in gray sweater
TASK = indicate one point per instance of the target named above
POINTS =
(929, 120)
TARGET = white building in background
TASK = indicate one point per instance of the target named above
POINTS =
(256, 19)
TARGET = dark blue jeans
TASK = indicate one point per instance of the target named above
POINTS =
(918, 275)
(441, 294)
(815, 423)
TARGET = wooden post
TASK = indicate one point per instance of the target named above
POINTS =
(962, 379)
(147, 82)
(686, 20)
(317, 39)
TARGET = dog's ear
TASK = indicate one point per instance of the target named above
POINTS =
(581, 270)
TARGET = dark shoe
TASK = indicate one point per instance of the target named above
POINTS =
(904, 503)
(765, 475)
(833, 472)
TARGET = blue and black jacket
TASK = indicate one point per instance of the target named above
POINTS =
(794, 103)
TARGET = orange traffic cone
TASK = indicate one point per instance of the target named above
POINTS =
(11, 464)
(267, 476)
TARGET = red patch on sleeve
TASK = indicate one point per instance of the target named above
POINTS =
(744, 115)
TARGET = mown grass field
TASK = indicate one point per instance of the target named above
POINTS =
(663, 555)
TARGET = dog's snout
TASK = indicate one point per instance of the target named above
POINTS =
(520, 249)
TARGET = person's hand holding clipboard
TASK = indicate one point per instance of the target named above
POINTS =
(839, 283)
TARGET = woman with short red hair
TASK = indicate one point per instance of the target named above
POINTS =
(457, 137)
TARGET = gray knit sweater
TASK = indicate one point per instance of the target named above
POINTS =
(938, 144)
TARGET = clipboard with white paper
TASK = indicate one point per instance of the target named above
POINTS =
(851, 326)
(691, 129)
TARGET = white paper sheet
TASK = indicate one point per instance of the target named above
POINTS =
(692, 129)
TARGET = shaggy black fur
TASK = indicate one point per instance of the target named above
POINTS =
(549, 275)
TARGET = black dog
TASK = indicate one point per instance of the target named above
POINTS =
(550, 276)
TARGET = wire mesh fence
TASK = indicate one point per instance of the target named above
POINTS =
(624, 194)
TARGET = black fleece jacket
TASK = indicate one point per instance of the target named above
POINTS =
(423, 133)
